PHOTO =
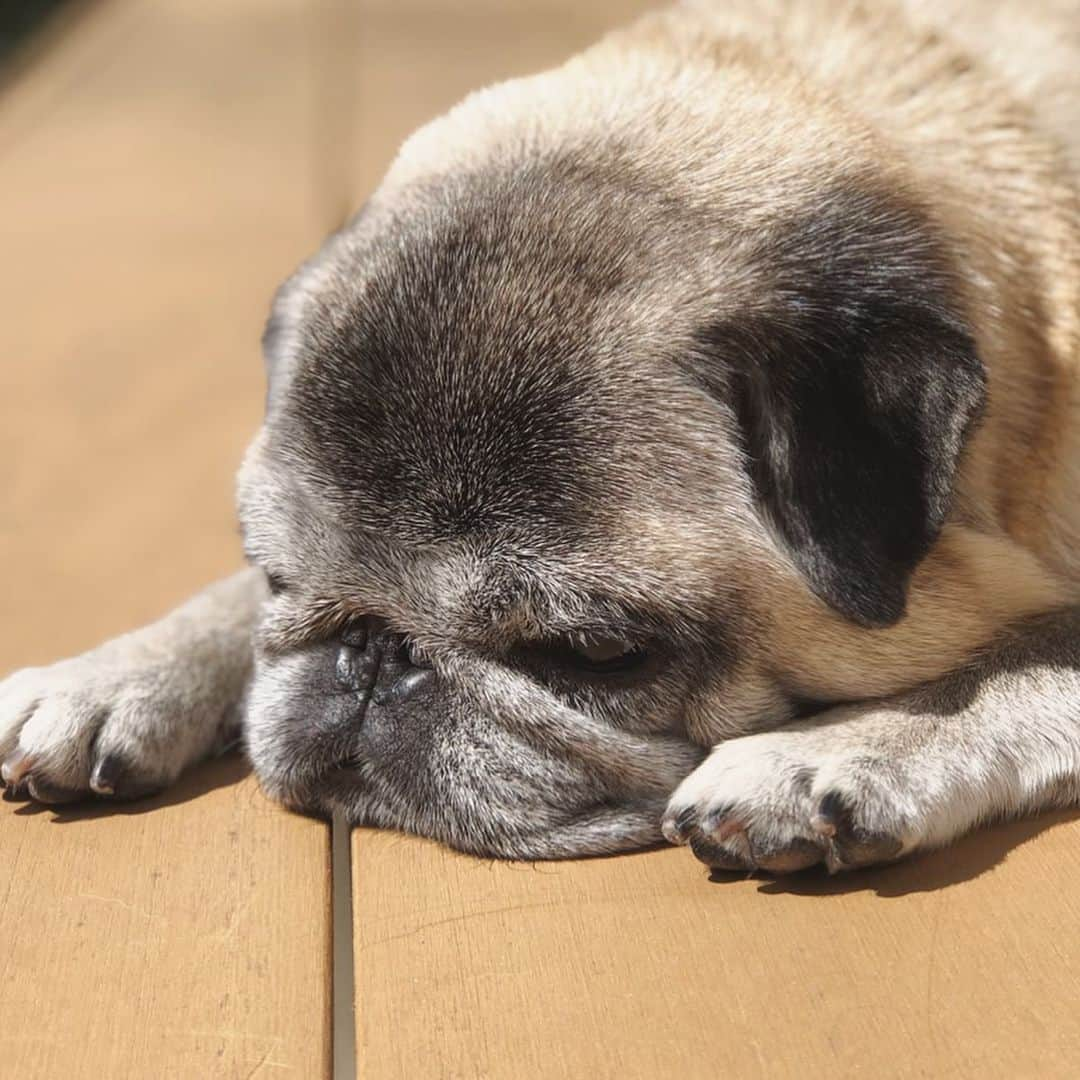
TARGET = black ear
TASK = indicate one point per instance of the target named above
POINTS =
(854, 390)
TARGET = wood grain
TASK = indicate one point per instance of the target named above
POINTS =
(964, 963)
(185, 936)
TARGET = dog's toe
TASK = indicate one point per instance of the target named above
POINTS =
(719, 856)
(16, 767)
(114, 777)
(40, 790)
(677, 827)
(800, 854)
(851, 844)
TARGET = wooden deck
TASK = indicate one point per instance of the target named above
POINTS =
(162, 166)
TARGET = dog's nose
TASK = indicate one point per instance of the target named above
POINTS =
(378, 664)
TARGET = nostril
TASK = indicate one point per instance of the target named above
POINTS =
(369, 655)
(404, 687)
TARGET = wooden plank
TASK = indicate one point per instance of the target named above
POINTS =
(186, 936)
(157, 173)
(963, 963)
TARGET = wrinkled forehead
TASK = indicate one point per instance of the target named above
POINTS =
(637, 570)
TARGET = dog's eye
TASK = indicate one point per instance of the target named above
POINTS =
(602, 655)
(275, 583)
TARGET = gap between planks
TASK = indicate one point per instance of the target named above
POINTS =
(343, 999)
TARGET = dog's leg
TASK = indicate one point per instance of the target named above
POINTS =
(124, 719)
(870, 782)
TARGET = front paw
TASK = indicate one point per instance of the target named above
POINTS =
(790, 799)
(95, 725)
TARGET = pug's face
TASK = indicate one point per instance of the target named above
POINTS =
(551, 464)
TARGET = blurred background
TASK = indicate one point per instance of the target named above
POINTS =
(164, 164)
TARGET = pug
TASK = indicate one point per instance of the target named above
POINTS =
(683, 443)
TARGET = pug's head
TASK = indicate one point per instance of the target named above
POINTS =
(573, 456)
